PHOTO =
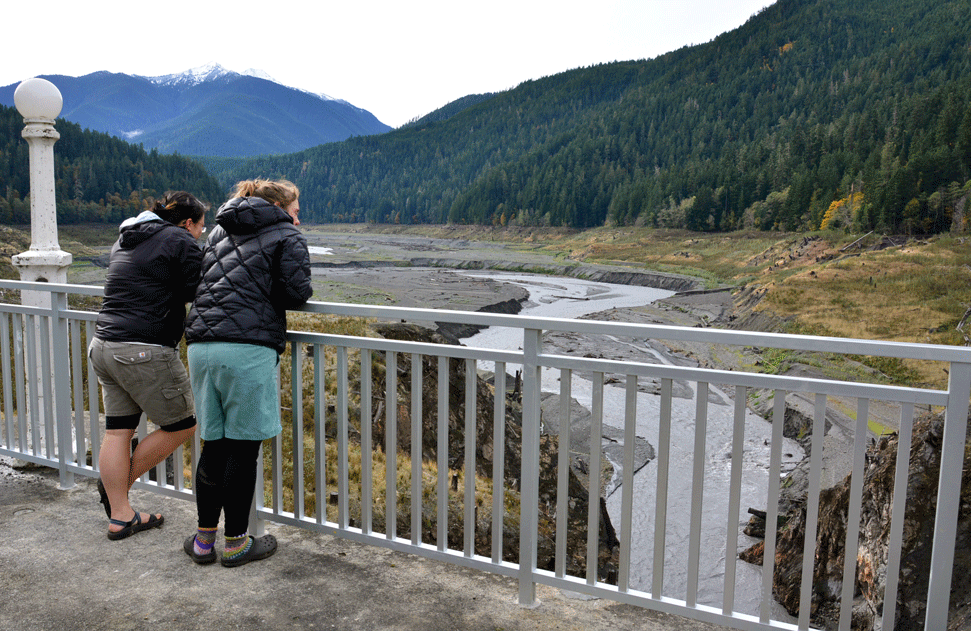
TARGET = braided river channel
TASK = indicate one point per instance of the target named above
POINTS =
(572, 298)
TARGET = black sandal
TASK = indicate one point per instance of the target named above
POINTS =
(133, 526)
(104, 497)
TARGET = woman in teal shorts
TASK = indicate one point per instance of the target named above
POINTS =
(255, 266)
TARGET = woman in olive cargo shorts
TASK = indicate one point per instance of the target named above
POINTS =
(153, 271)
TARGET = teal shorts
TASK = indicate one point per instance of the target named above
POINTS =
(237, 390)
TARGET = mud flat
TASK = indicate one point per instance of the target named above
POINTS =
(411, 271)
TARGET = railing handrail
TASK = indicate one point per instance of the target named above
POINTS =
(899, 394)
(902, 350)
(67, 288)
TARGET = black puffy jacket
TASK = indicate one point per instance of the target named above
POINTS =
(255, 266)
(152, 273)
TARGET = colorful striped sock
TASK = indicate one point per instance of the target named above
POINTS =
(237, 546)
(205, 539)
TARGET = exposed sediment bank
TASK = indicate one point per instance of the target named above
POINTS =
(603, 274)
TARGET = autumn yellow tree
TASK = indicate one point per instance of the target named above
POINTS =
(840, 212)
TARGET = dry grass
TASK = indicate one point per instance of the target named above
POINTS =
(311, 416)
(378, 472)
(916, 293)
(714, 258)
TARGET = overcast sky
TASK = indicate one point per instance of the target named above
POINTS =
(398, 60)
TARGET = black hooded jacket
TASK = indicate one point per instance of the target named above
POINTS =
(153, 271)
(255, 266)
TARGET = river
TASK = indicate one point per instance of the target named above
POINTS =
(572, 298)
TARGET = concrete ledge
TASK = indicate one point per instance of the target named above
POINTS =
(59, 572)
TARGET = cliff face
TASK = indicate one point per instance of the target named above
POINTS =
(874, 527)
(579, 496)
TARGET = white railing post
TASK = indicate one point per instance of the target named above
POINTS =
(256, 525)
(529, 468)
(62, 389)
(948, 497)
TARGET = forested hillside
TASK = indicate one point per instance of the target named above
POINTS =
(98, 178)
(814, 113)
(451, 109)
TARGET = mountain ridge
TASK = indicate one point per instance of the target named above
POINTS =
(214, 70)
(208, 111)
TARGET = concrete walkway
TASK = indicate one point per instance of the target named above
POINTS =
(59, 572)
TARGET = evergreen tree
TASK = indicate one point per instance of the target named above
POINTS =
(98, 178)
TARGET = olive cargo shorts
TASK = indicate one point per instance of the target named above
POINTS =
(139, 378)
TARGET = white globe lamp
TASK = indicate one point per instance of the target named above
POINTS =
(38, 99)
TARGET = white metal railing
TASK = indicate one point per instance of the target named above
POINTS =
(50, 412)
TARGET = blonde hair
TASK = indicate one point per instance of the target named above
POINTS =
(282, 192)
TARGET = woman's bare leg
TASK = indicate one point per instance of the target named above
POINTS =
(120, 467)
(155, 448)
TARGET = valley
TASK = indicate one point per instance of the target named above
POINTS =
(911, 290)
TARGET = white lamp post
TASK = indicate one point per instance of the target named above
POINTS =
(39, 102)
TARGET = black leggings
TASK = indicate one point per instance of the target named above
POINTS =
(226, 482)
(132, 420)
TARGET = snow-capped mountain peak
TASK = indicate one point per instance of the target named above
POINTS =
(213, 71)
(211, 111)
(193, 76)
(259, 74)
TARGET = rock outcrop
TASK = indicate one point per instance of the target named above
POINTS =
(454, 332)
(579, 494)
(875, 519)
(874, 527)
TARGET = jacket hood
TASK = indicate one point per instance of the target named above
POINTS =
(248, 215)
(136, 230)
